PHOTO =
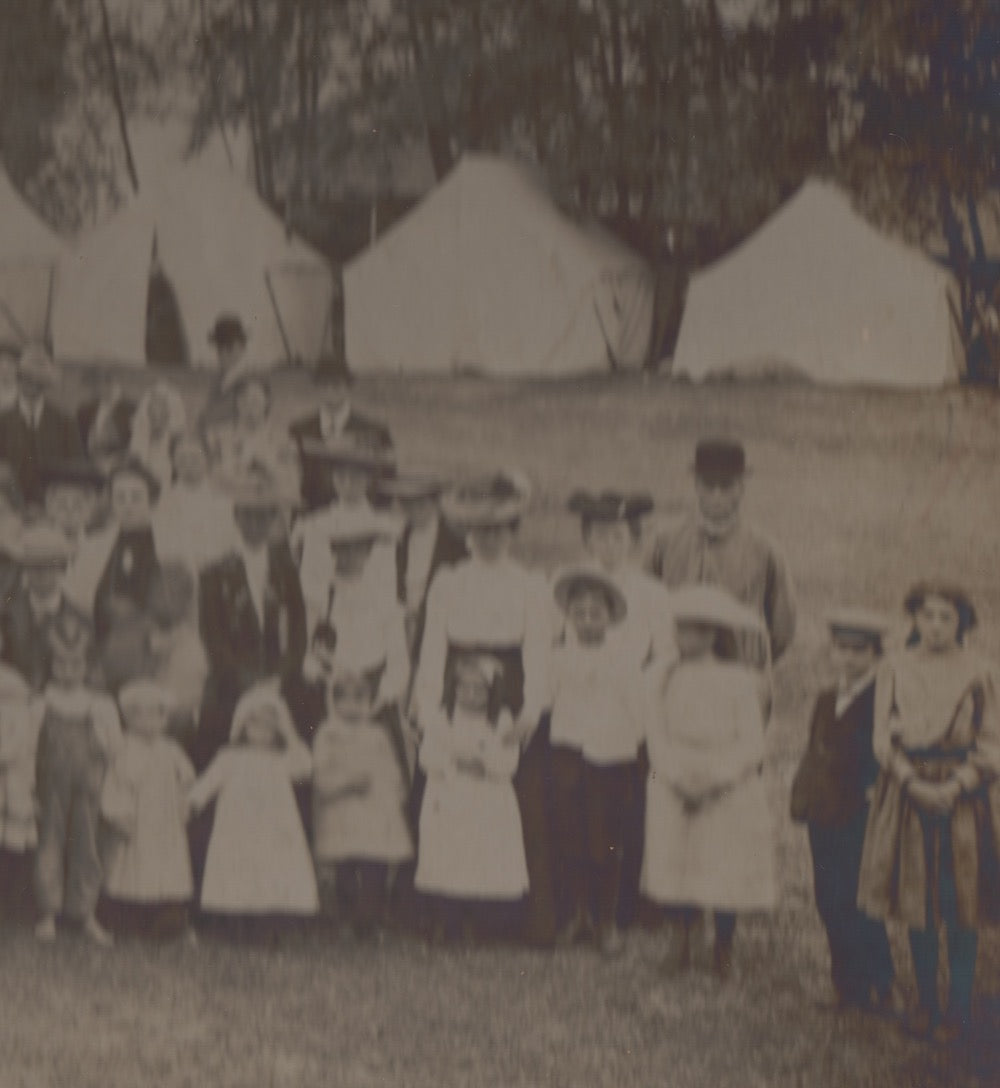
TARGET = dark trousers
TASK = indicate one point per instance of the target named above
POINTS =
(532, 785)
(478, 918)
(634, 842)
(152, 921)
(963, 943)
(590, 805)
(860, 959)
(362, 890)
(17, 885)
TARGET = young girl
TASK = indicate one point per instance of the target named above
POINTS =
(18, 831)
(598, 721)
(708, 839)
(471, 846)
(930, 852)
(79, 734)
(147, 871)
(258, 862)
(360, 785)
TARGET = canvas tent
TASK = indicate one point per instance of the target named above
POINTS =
(486, 274)
(207, 236)
(819, 290)
(29, 258)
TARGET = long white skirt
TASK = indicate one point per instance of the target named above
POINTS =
(471, 844)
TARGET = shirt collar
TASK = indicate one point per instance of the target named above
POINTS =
(32, 412)
(331, 423)
(847, 694)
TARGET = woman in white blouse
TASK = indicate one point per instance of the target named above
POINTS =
(491, 603)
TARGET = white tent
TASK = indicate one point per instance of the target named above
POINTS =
(820, 291)
(221, 249)
(486, 274)
(29, 257)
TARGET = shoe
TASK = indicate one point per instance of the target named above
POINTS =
(45, 931)
(722, 962)
(948, 1031)
(612, 943)
(95, 932)
(920, 1022)
(578, 928)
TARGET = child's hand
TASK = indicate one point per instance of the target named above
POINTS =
(517, 732)
(935, 799)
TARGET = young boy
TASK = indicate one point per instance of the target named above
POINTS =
(598, 720)
(79, 732)
(829, 795)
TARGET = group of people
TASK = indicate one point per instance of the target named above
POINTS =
(257, 673)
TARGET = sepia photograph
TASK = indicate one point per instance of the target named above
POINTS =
(500, 543)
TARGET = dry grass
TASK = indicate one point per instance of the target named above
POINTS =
(864, 491)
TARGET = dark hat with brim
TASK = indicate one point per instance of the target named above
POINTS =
(130, 465)
(228, 329)
(42, 544)
(73, 471)
(500, 499)
(948, 591)
(719, 458)
(349, 453)
(578, 579)
(609, 506)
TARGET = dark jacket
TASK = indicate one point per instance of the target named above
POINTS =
(25, 639)
(317, 489)
(119, 425)
(838, 766)
(27, 449)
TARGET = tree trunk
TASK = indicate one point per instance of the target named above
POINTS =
(435, 119)
(116, 94)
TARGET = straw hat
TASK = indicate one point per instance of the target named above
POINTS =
(489, 500)
(713, 605)
(857, 624)
(350, 450)
(571, 579)
(355, 525)
(141, 694)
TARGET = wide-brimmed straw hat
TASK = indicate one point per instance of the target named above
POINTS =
(486, 501)
(857, 624)
(355, 525)
(412, 484)
(350, 451)
(712, 605)
(571, 580)
(264, 695)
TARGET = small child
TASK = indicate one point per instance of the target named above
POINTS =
(708, 836)
(18, 831)
(471, 847)
(598, 719)
(147, 879)
(360, 785)
(829, 795)
(258, 864)
(79, 734)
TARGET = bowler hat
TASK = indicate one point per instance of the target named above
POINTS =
(609, 506)
(720, 458)
(228, 329)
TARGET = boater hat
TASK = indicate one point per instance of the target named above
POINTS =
(609, 506)
(350, 451)
(487, 501)
(572, 580)
(346, 526)
(720, 459)
(412, 484)
(712, 605)
(857, 626)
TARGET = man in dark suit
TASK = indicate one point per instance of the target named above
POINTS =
(334, 421)
(252, 614)
(105, 418)
(35, 431)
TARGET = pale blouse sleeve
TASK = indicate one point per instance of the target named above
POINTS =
(746, 753)
(536, 650)
(428, 688)
(436, 753)
(212, 779)
(297, 760)
(983, 764)
(107, 724)
(182, 767)
(888, 753)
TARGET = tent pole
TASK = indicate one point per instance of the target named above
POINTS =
(277, 317)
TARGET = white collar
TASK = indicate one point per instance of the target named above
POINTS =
(847, 695)
(334, 422)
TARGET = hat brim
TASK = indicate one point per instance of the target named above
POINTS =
(567, 582)
(466, 515)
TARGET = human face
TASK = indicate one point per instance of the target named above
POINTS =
(491, 542)
(472, 692)
(937, 624)
(147, 721)
(590, 616)
(130, 501)
(852, 659)
(70, 507)
(609, 542)
(158, 411)
(255, 524)
(69, 670)
(719, 499)
(352, 698)
(334, 396)
(252, 404)
(349, 559)
(694, 639)
(44, 580)
(351, 483)
(261, 728)
(229, 354)
(190, 462)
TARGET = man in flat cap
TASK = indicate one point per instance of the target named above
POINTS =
(35, 431)
(715, 545)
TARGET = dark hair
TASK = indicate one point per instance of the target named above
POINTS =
(634, 527)
(954, 595)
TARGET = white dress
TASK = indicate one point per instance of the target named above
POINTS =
(471, 842)
(152, 865)
(194, 525)
(368, 825)
(706, 740)
(258, 859)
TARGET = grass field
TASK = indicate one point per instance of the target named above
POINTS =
(863, 491)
